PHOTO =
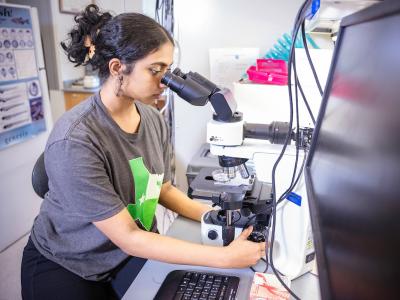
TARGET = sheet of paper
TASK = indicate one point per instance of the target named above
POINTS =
(228, 65)
(267, 287)
(24, 69)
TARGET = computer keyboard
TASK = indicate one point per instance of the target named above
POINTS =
(185, 285)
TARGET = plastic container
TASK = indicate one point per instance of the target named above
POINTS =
(272, 65)
(269, 71)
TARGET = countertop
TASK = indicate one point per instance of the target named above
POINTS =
(153, 273)
(76, 86)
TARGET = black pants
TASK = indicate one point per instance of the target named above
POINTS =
(43, 279)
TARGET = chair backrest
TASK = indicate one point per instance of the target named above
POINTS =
(40, 181)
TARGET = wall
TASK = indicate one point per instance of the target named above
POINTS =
(62, 24)
(205, 24)
(120, 6)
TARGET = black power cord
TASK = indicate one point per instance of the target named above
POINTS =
(290, 189)
(297, 120)
(298, 87)
(295, 181)
(305, 101)
(303, 35)
(298, 21)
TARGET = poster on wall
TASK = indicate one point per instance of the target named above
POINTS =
(21, 100)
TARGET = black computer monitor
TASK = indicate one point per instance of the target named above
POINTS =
(353, 170)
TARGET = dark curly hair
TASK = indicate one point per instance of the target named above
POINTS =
(128, 37)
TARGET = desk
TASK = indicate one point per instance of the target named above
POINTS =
(147, 283)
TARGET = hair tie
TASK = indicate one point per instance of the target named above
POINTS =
(89, 44)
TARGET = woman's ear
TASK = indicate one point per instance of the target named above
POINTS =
(115, 67)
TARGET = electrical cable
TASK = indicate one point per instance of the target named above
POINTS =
(303, 34)
(297, 120)
(266, 263)
(294, 182)
(306, 102)
(290, 189)
(291, 186)
(295, 31)
(301, 89)
(297, 84)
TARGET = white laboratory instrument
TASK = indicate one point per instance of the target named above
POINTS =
(243, 192)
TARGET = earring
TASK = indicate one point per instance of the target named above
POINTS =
(118, 86)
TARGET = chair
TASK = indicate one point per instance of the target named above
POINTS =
(40, 181)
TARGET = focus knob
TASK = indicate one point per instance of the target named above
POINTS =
(212, 235)
(257, 237)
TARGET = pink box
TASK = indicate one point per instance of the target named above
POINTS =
(269, 71)
(272, 65)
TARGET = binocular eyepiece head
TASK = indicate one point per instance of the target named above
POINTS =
(198, 91)
(187, 86)
(174, 80)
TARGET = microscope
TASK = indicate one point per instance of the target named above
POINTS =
(241, 187)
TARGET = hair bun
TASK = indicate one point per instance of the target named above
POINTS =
(98, 37)
(88, 23)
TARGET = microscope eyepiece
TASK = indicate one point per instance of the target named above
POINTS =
(186, 88)
(174, 82)
(179, 73)
(198, 91)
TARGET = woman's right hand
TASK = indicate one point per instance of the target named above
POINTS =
(242, 253)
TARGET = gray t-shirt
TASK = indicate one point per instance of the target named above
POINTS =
(95, 170)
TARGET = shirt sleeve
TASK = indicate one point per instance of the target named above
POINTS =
(78, 181)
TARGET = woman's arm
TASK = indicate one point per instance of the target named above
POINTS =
(123, 232)
(175, 200)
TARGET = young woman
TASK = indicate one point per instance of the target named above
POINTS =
(107, 161)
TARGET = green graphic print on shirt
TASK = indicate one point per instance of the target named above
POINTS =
(147, 192)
